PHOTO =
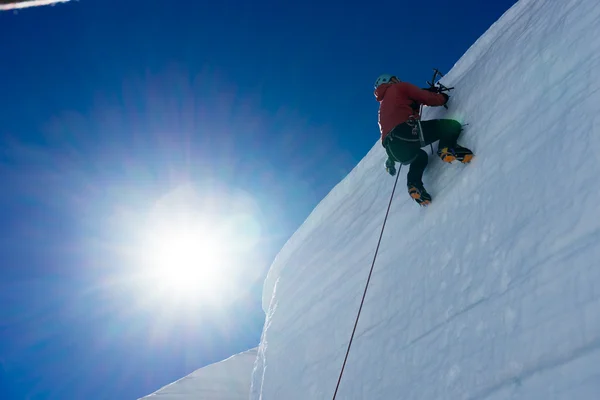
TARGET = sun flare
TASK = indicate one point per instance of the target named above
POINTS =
(191, 251)
(188, 260)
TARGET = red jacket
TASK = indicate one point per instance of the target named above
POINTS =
(395, 101)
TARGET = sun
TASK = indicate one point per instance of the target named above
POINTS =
(197, 249)
(186, 259)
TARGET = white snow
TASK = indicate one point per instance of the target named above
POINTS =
(493, 292)
(225, 380)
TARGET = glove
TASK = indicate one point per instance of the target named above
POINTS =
(390, 167)
(447, 98)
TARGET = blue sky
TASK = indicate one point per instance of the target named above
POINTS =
(109, 106)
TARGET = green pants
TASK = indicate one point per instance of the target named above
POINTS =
(403, 143)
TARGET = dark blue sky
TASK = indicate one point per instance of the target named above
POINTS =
(107, 105)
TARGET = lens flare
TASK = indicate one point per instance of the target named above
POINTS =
(195, 247)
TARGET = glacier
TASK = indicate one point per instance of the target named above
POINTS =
(493, 291)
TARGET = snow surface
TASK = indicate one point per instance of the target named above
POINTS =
(226, 380)
(492, 292)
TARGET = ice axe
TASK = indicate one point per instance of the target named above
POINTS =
(437, 87)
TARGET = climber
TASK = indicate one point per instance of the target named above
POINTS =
(399, 122)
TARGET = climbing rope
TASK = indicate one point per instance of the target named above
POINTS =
(366, 286)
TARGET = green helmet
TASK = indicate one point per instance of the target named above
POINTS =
(383, 78)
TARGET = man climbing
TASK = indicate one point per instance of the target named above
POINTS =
(403, 134)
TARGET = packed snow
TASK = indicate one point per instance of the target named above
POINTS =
(226, 380)
(493, 291)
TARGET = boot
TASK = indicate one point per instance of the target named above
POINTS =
(457, 152)
(419, 194)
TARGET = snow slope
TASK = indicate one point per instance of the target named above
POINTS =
(226, 380)
(493, 292)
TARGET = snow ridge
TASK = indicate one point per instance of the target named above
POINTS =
(225, 380)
